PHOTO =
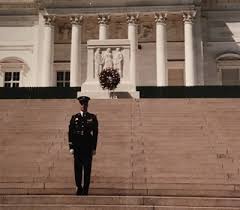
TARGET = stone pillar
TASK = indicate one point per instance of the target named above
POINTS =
(132, 36)
(75, 67)
(103, 21)
(1, 76)
(48, 48)
(190, 65)
(161, 49)
(200, 21)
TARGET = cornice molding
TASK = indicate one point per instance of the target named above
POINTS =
(176, 9)
(34, 8)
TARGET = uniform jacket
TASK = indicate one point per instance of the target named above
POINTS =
(83, 133)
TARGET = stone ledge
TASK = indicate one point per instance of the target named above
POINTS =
(121, 192)
(105, 94)
(120, 200)
(108, 42)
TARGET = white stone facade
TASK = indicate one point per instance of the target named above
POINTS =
(185, 43)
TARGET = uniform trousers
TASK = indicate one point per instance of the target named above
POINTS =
(82, 165)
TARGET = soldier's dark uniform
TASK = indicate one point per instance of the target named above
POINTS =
(83, 133)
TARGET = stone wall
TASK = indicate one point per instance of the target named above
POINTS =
(221, 35)
(20, 43)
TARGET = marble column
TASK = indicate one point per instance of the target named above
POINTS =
(199, 22)
(1, 76)
(132, 21)
(190, 64)
(103, 21)
(48, 48)
(161, 49)
(75, 67)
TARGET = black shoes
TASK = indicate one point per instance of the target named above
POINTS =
(80, 191)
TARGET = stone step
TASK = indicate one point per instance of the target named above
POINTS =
(110, 207)
(106, 207)
(152, 202)
(120, 191)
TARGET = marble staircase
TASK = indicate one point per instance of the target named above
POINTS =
(147, 147)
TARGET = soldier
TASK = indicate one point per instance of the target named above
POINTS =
(83, 133)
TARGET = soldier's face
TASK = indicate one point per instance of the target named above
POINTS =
(83, 107)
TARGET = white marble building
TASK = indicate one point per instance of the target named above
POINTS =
(165, 42)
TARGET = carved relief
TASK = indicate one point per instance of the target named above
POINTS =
(146, 32)
(63, 33)
(108, 59)
(98, 62)
(118, 61)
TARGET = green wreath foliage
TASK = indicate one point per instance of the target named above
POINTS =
(109, 78)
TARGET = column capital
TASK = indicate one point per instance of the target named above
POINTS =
(49, 19)
(103, 19)
(188, 17)
(76, 20)
(132, 19)
(160, 17)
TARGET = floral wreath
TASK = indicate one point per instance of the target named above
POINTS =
(109, 78)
